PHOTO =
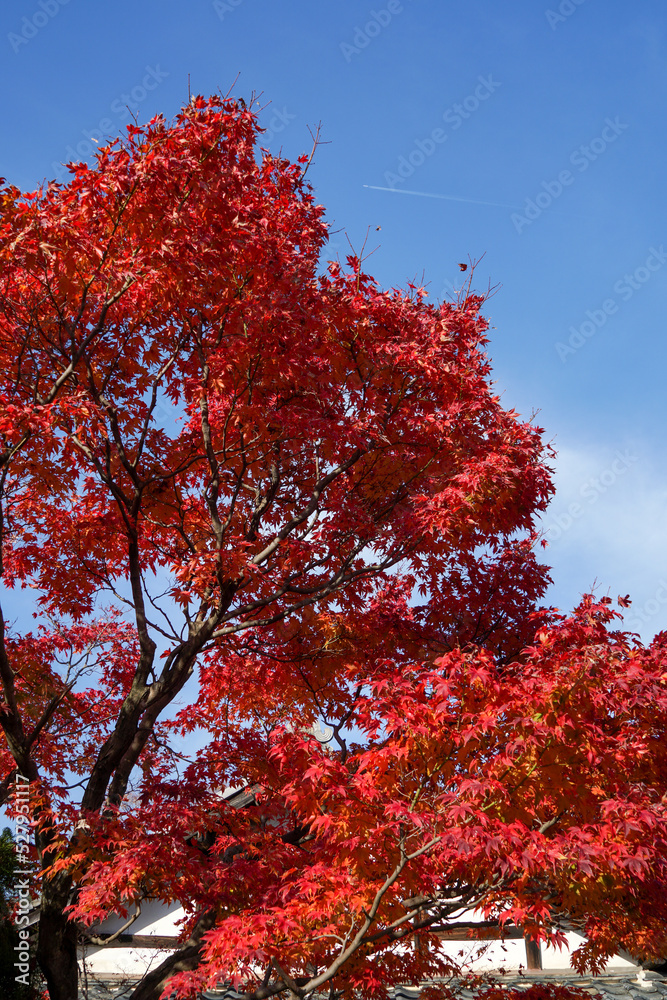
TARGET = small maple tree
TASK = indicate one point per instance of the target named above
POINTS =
(251, 498)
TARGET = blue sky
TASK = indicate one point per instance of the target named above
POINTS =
(552, 114)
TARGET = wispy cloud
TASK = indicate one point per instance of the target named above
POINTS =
(445, 197)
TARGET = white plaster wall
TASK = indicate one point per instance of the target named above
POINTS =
(157, 918)
(511, 955)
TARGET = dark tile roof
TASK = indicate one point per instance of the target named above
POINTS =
(608, 986)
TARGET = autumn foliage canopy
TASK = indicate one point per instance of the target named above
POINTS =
(277, 533)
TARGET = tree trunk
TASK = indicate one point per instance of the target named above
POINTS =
(56, 947)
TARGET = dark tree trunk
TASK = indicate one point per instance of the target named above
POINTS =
(56, 947)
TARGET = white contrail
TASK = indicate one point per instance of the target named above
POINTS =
(445, 197)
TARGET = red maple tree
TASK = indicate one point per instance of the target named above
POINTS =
(250, 498)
